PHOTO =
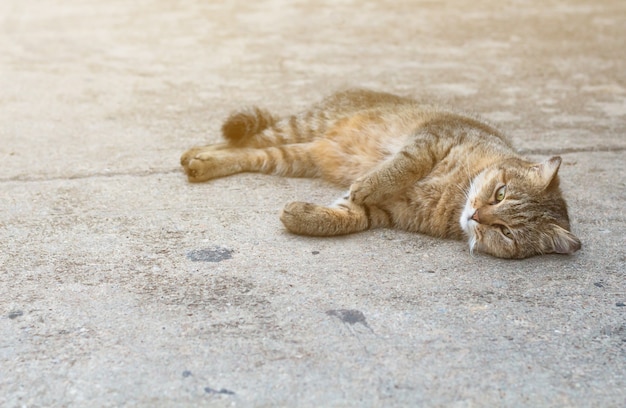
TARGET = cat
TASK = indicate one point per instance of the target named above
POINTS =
(409, 166)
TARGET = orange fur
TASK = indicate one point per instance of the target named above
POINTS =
(408, 166)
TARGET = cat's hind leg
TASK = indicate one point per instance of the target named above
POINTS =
(289, 161)
(240, 129)
(256, 128)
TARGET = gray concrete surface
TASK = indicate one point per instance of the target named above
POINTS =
(123, 285)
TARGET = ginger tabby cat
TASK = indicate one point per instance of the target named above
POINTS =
(408, 166)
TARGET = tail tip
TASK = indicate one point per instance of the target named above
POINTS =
(246, 123)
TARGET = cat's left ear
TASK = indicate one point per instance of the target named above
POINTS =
(547, 170)
(562, 241)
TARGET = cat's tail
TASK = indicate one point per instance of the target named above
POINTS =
(258, 128)
(241, 127)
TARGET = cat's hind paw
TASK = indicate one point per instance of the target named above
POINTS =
(196, 170)
(204, 164)
(194, 151)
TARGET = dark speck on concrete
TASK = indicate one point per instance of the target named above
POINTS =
(599, 284)
(349, 316)
(210, 390)
(186, 373)
(315, 252)
(618, 332)
(620, 304)
(15, 314)
(213, 254)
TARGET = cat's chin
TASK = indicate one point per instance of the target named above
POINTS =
(468, 225)
(472, 235)
(466, 218)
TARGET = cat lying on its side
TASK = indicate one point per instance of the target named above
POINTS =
(408, 166)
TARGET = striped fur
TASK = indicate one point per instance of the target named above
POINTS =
(240, 127)
(408, 166)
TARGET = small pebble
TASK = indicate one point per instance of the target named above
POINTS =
(210, 390)
(212, 254)
(15, 314)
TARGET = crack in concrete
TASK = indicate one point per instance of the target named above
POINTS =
(108, 174)
(147, 173)
(568, 150)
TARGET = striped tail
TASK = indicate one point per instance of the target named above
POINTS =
(241, 127)
(257, 128)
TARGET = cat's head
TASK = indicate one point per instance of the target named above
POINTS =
(514, 209)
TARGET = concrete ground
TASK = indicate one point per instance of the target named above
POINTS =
(123, 285)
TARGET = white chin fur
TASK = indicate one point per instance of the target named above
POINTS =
(473, 237)
(467, 224)
(466, 216)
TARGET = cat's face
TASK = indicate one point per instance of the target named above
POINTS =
(515, 210)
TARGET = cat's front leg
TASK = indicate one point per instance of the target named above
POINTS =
(394, 175)
(379, 186)
(366, 191)
(340, 218)
(316, 220)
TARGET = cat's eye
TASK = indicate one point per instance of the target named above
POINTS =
(500, 194)
(507, 232)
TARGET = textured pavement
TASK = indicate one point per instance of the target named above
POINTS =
(123, 285)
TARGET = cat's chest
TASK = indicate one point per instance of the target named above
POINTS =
(455, 169)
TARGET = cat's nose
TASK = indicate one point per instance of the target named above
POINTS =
(475, 216)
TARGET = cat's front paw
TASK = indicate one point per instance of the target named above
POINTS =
(316, 220)
(361, 193)
(297, 217)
